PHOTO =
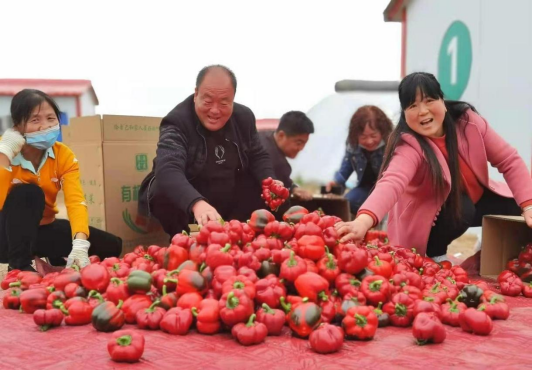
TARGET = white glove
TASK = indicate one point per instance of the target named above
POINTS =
(79, 254)
(11, 143)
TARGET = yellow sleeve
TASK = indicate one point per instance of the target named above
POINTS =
(6, 177)
(74, 197)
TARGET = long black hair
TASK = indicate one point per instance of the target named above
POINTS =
(428, 86)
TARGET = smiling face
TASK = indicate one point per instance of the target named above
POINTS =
(42, 117)
(213, 99)
(425, 115)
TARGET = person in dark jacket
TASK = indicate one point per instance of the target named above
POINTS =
(369, 131)
(287, 141)
(208, 153)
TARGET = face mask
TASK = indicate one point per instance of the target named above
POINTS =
(381, 144)
(43, 139)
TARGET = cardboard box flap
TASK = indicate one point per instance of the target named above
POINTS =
(131, 128)
(510, 218)
(83, 130)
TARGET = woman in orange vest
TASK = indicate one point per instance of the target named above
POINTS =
(33, 168)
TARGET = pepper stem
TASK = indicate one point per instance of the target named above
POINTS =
(232, 301)
(375, 285)
(151, 308)
(267, 309)
(117, 281)
(360, 320)
(124, 341)
(96, 294)
(226, 248)
(286, 306)
(292, 262)
(251, 321)
(120, 302)
(378, 262)
(44, 328)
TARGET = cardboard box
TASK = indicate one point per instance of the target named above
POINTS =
(115, 154)
(502, 239)
(331, 205)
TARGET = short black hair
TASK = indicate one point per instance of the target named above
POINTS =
(295, 123)
(206, 69)
(25, 101)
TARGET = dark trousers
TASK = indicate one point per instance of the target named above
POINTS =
(445, 231)
(21, 237)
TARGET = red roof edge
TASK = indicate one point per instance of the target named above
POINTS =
(392, 12)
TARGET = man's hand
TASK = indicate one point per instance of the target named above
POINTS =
(355, 230)
(203, 212)
(302, 194)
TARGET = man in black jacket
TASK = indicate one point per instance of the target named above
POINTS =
(207, 156)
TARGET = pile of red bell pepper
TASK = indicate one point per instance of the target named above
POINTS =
(516, 279)
(265, 278)
(273, 193)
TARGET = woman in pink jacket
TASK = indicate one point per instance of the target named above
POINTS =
(434, 180)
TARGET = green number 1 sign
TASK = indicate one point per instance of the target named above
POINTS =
(455, 60)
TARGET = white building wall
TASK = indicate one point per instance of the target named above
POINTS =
(87, 104)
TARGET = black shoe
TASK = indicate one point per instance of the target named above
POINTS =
(26, 268)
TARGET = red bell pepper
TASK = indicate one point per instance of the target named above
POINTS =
(248, 273)
(414, 292)
(309, 229)
(220, 275)
(78, 313)
(219, 238)
(526, 290)
(352, 259)
(513, 265)
(117, 290)
(55, 299)
(65, 277)
(526, 254)
(107, 316)
(110, 262)
(291, 301)
(250, 333)
(304, 318)
(376, 289)
(205, 231)
(217, 256)
(151, 317)
(269, 290)
(47, 318)
(423, 306)
(235, 306)
(126, 346)
(311, 266)
(95, 277)
(295, 214)
(496, 308)
(326, 339)
(475, 321)
(26, 279)
(348, 301)
(143, 263)
(505, 275)
(279, 230)
(311, 247)
(197, 252)
(33, 299)
(9, 278)
(191, 281)
(383, 318)
(240, 283)
(274, 319)
(73, 289)
(249, 260)
(381, 267)
(189, 300)
(134, 304)
(347, 284)
(207, 316)
(120, 270)
(292, 268)
(328, 268)
(312, 286)
(511, 287)
(12, 299)
(174, 256)
(330, 308)
(331, 237)
(259, 220)
(400, 310)
(427, 328)
(177, 321)
(436, 290)
(451, 311)
(360, 323)
(168, 300)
